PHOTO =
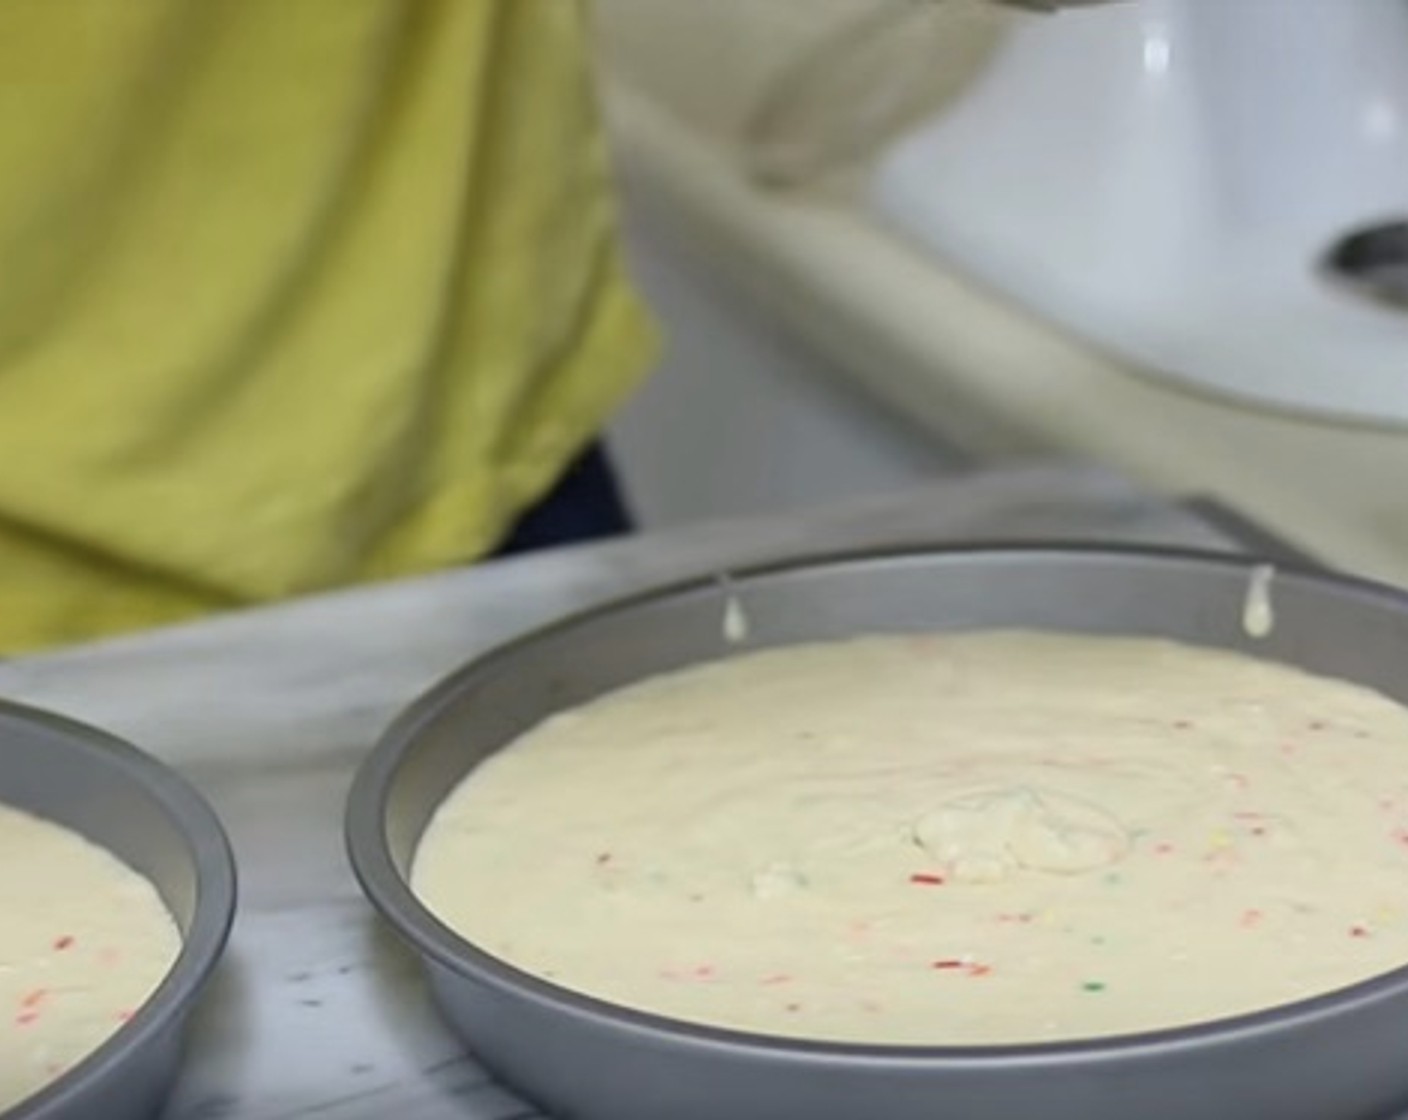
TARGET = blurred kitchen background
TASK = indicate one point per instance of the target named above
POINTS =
(894, 240)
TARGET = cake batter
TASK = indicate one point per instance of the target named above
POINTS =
(84, 941)
(948, 839)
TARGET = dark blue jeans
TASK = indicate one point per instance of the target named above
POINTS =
(585, 505)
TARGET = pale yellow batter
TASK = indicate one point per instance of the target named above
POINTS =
(983, 838)
(84, 940)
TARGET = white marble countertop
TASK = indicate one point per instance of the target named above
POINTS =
(315, 1012)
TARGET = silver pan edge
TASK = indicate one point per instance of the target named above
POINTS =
(150, 817)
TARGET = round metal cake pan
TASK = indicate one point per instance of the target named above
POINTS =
(1344, 1054)
(149, 817)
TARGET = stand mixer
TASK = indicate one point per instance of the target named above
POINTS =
(1212, 190)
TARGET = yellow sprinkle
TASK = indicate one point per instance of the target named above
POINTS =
(1386, 913)
(1220, 840)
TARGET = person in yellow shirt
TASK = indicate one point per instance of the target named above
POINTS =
(294, 294)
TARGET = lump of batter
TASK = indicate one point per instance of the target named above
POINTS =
(985, 837)
(944, 839)
(84, 941)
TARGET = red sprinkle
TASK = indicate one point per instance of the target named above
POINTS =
(25, 1018)
(1358, 931)
(1163, 849)
(927, 880)
(124, 1016)
(970, 967)
(64, 942)
(1251, 918)
(34, 998)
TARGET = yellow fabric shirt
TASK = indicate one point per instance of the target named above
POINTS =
(293, 294)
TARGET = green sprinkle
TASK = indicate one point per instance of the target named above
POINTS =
(1097, 940)
(1093, 986)
(1114, 879)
